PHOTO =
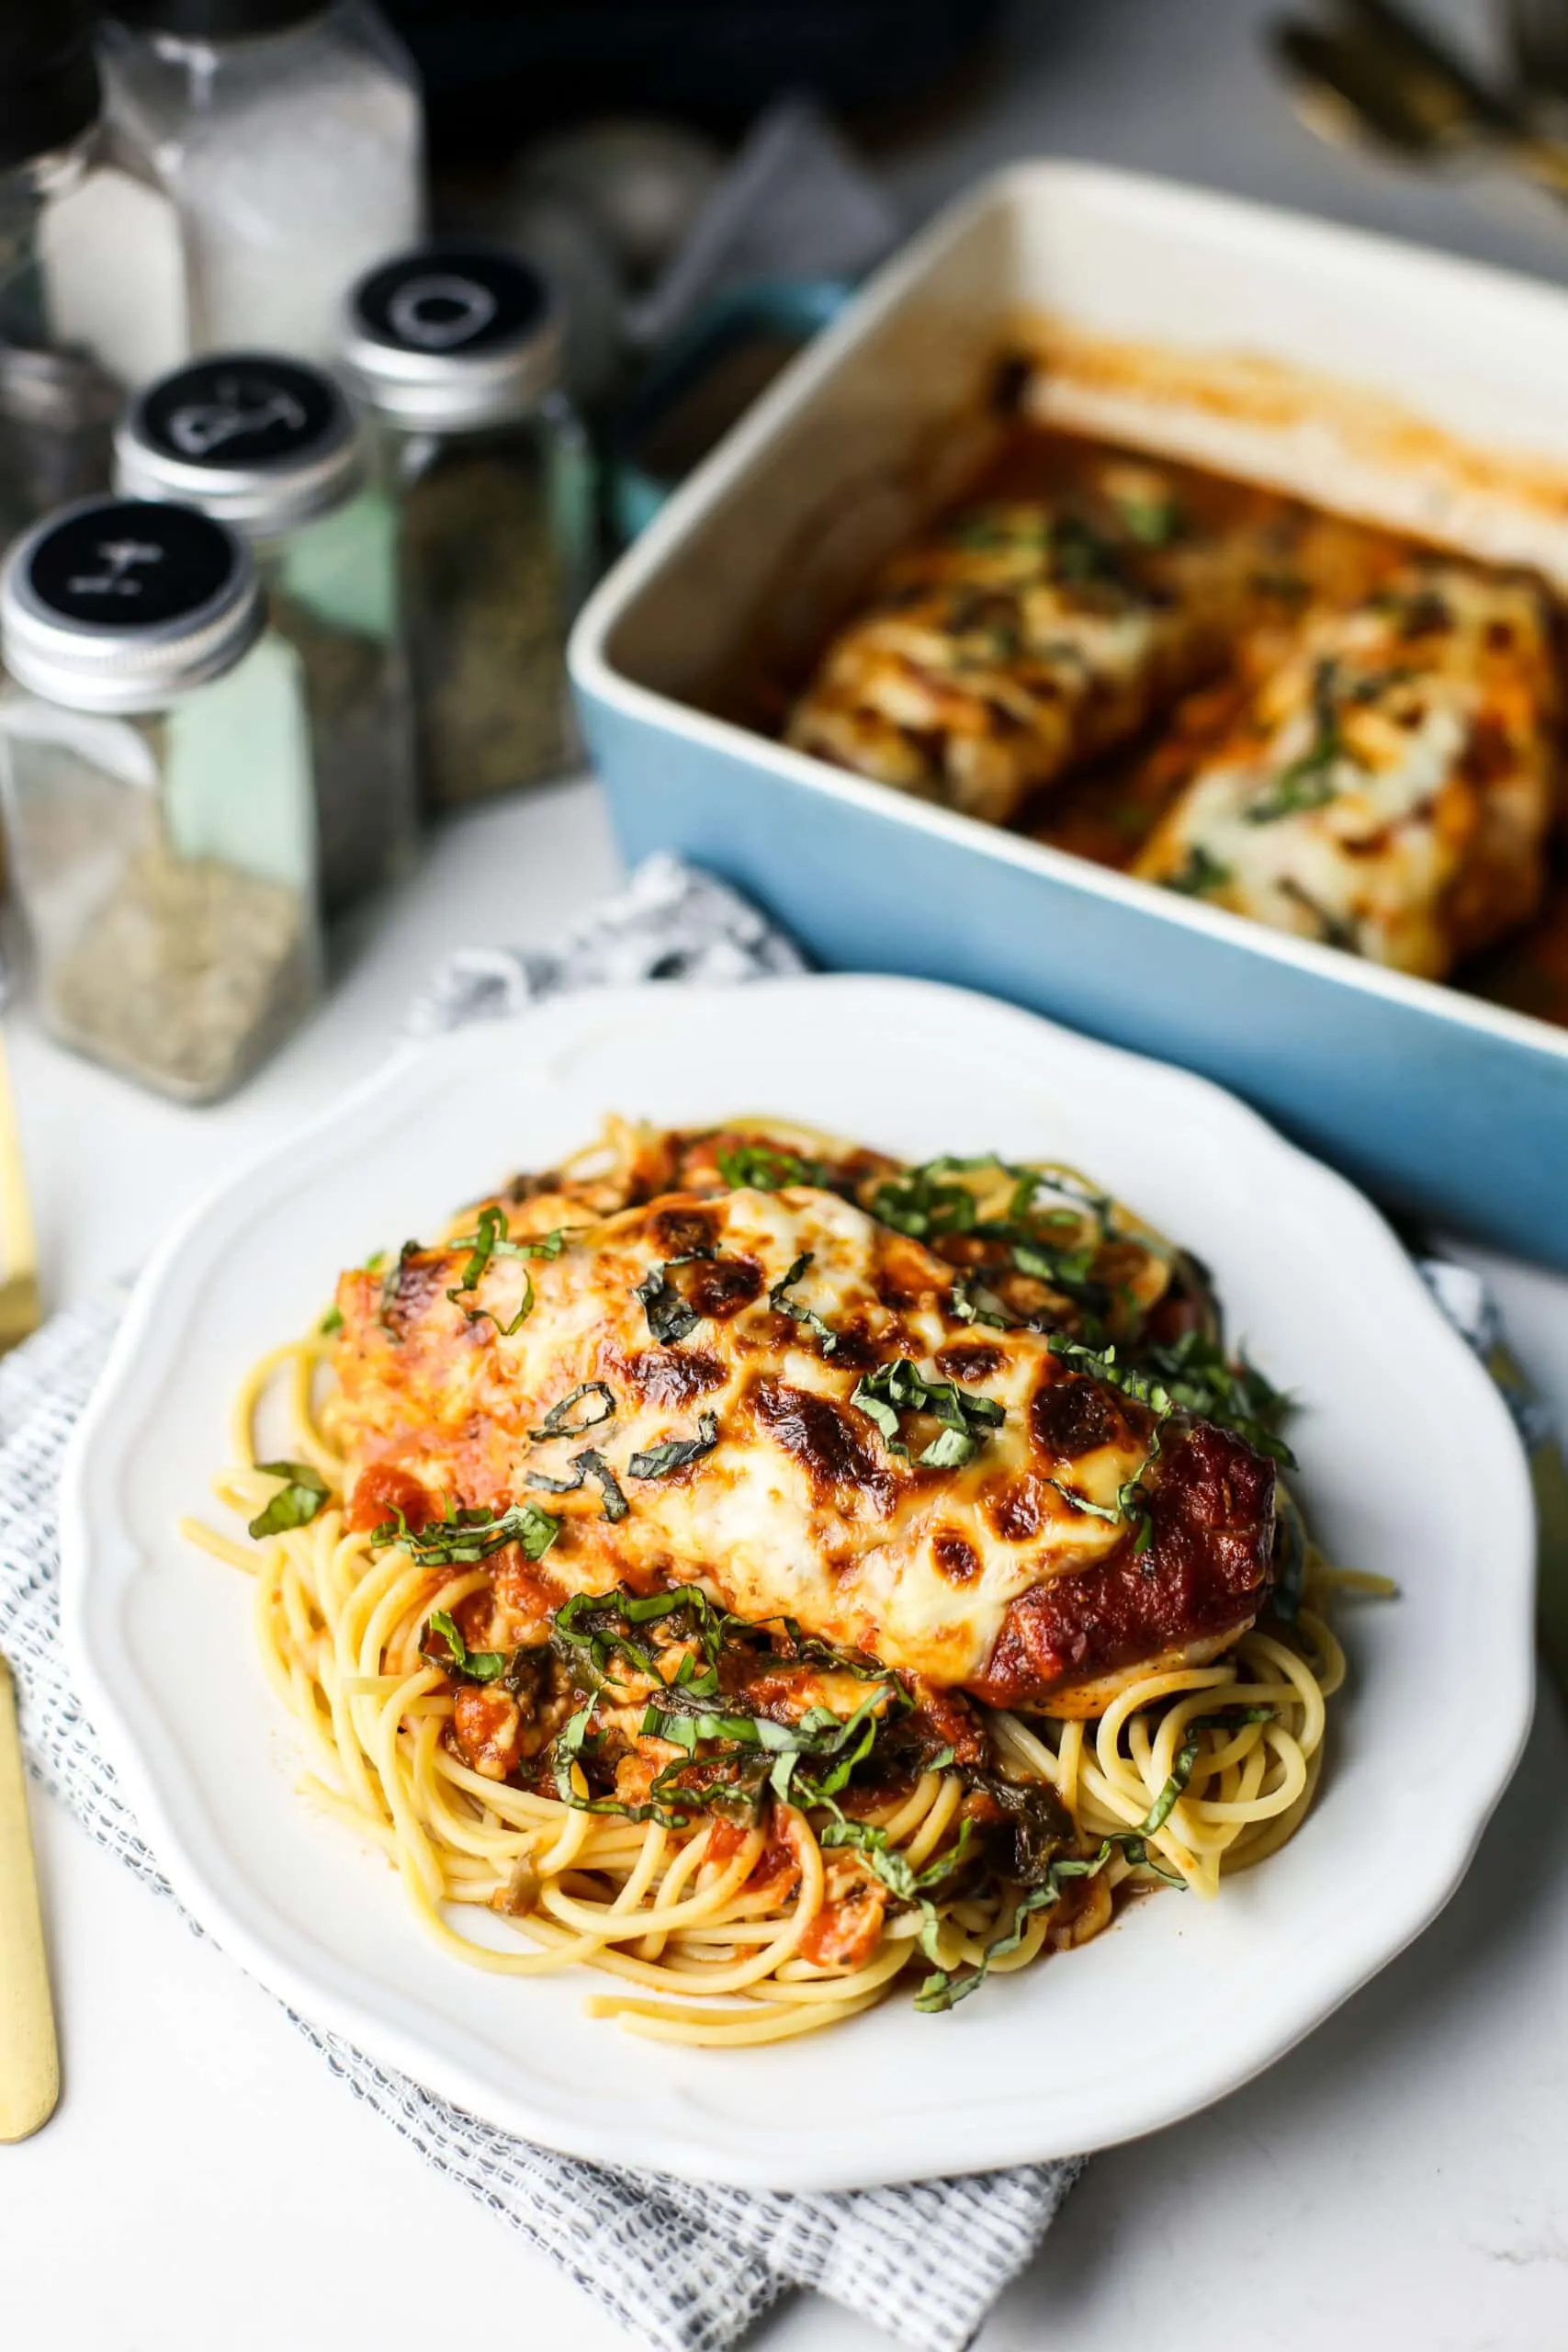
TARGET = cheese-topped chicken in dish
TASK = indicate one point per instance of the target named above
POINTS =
(757, 1566)
(1391, 788)
(1300, 716)
(778, 1394)
(1022, 639)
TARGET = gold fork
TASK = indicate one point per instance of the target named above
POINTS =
(29, 2063)
(30, 2058)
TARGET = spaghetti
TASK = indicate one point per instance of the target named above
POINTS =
(749, 1868)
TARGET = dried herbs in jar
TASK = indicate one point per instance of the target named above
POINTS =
(155, 765)
(458, 357)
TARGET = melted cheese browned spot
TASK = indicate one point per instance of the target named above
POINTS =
(671, 1376)
(825, 1438)
(721, 1287)
(802, 1506)
(955, 1557)
(968, 1360)
(1073, 1417)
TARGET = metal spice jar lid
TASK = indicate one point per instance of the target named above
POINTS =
(119, 605)
(259, 441)
(452, 338)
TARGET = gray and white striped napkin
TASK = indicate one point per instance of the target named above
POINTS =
(681, 2267)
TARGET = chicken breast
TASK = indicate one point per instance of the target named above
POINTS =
(1022, 639)
(774, 1395)
(1390, 788)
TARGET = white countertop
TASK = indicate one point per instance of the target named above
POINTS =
(1401, 2179)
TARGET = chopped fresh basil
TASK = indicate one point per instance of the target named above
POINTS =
(1289, 1558)
(901, 1387)
(577, 1740)
(492, 1240)
(492, 1228)
(558, 1422)
(679, 1718)
(1080, 553)
(1303, 785)
(1199, 874)
(589, 1626)
(1131, 1496)
(586, 1465)
(473, 1666)
(1064, 1269)
(675, 1452)
(524, 1309)
(296, 1501)
(472, 1533)
(973, 1302)
(1308, 781)
(1333, 929)
(615, 1505)
(765, 1168)
(1111, 1512)
(1102, 1363)
(920, 1202)
(670, 1317)
(928, 1204)
(751, 1750)
(1196, 1375)
(1152, 521)
(1133, 1500)
(779, 1298)
(331, 1321)
(941, 1990)
(894, 1869)
(1187, 1757)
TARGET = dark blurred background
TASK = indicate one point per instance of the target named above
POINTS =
(934, 91)
(494, 70)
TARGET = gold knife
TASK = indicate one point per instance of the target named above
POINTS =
(20, 1309)
(29, 2059)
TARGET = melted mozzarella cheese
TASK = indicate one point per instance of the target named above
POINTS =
(1020, 641)
(1392, 788)
(801, 1507)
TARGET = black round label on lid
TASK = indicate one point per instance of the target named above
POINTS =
(239, 410)
(449, 302)
(125, 563)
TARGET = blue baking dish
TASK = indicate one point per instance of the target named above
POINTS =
(1416, 390)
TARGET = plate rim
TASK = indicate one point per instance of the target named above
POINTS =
(212, 1887)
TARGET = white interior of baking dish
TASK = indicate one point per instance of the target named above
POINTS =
(1374, 377)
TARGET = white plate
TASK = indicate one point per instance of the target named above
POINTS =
(1410, 1465)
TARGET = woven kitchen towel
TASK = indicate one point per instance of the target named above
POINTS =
(682, 2268)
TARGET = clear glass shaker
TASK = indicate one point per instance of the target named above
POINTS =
(270, 447)
(89, 266)
(456, 353)
(156, 768)
(289, 136)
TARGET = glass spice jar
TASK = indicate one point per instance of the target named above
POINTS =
(155, 769)
(288, 137)
(89, 266)
(270, 447)
(456, 353)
